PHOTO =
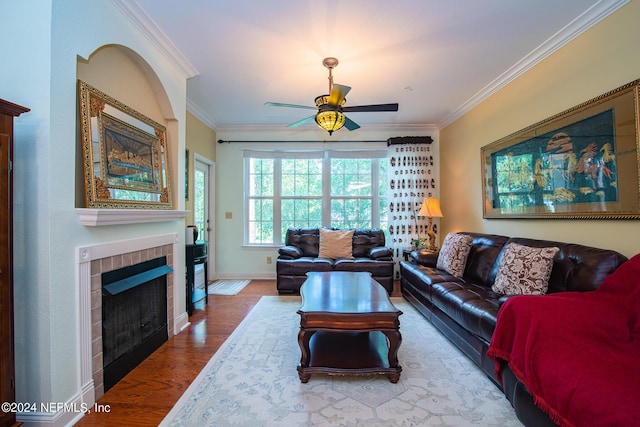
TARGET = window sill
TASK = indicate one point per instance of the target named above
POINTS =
(260, 247)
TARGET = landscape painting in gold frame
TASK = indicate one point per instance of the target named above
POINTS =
(581, 163)
(125, 154)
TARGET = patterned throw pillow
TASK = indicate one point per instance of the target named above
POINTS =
(524, 270)
(453, 254)
(336, 244)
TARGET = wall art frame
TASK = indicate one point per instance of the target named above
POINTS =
(582, 163)
(125, 154)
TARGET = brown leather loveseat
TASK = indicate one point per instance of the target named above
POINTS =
(465, 308)
(302, 247)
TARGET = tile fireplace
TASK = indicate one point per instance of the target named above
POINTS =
(109, 259)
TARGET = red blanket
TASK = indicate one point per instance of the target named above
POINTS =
(578, 353)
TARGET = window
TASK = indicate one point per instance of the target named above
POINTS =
(342, 189)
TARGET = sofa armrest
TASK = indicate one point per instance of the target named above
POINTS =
(380, 252)
(425, 258)
(289, 252)
(503, 299)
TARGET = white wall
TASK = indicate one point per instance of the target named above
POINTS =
(39, 72)
(232, 259)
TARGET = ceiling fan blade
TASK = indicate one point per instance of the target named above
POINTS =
(371, 108)
(337, 94)
(278, 104)
(350, 124)
(301, 122)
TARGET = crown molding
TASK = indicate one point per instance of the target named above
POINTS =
(582, 23)
(201, 115)
(143, 22)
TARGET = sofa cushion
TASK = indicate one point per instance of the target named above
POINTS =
(576, 267)
(375, 268)
(336, 244)
(453, 255)
(524, 270)
(307, 239)
(300, 266)
(366, 239)
(472, 306)
(482, 262)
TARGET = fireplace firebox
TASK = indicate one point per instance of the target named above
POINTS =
(134, 316)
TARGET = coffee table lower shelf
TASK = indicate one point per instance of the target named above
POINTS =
(347, 353)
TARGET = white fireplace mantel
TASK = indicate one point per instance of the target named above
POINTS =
(98, 217)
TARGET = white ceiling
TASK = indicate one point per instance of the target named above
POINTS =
(436, 58)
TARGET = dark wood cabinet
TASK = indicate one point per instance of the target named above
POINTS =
(196, 254)
(7, 371)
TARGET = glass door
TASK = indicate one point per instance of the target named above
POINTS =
(203, 185)
(201, 200)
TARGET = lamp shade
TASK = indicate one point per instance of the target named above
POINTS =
(430, 208)
(330, 120)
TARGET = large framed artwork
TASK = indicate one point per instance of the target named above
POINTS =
(125, 154)
(581, 163)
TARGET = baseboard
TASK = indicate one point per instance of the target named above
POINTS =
(180, 323)
(55, 413)
(265, 275)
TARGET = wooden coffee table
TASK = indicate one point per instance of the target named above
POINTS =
(348, 326)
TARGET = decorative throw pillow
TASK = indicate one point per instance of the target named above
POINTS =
(453, 254)
(336, 243)
(524, 270)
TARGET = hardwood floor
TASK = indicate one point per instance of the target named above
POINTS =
(147, 394)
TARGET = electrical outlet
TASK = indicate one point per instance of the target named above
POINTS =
(228, 215)
(269, 260)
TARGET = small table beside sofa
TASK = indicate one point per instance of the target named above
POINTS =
(461, 290)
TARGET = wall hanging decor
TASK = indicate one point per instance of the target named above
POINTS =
(124, 154)
(581, 163)
(412, 179)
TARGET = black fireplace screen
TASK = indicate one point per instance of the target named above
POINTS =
(134, 316)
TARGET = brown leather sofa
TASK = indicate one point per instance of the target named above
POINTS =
(465, 309)
(300, 255)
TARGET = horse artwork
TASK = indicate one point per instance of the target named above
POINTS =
(569, 165)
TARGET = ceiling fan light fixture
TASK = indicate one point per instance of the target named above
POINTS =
(330, 120)
(330, 115)
(322, 100)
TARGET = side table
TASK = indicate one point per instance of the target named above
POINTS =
(422, 253)
(196, 254)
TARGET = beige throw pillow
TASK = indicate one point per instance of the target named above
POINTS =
(524, 270)
(336, 244)
(454, 253)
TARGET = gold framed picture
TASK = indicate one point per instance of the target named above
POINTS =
(581, 163)
(124, 154)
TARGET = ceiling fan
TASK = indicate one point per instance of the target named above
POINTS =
(331, 109)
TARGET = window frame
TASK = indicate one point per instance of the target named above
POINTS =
(326, 156)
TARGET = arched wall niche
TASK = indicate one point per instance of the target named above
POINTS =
(123, 74)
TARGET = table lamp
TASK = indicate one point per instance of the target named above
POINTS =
(431, 209)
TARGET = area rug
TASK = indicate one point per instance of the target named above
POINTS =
(227, 287)
(252, 381)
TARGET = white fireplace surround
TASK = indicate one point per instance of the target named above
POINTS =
(84, 257)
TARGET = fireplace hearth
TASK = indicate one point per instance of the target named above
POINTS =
(134, 316)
